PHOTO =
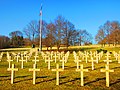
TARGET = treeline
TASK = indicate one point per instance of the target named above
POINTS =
(59, 32)
(109, 33)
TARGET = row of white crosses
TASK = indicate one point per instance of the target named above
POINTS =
(77, 60)
(86, 55)
(57, 73)
(81, 70)
(92, 59)
(106, 70)
(12, 69)
(23, 55)
(34, 69)
(50, 57)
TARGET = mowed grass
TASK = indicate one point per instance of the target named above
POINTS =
(69, 78)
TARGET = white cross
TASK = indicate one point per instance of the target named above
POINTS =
(17, 57)
(9, 62)
(35, 59)
(34, 72)
(51, 55)
(46, 57)
(77, 61)
(107, 70)
(91, 54)
(12, 72)
(86, 57)
(82, 70)
(55, 56)
(92, 61)
(57, 73)
(22, 61)
(63, 62)
(107, 57)
(59, 55)
(49, 60)
(27, 56)
(97, 58)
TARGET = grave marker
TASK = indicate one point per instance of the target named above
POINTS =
(12, 72)
(107, 71)
(55, 56)
(107, 57)
(17, 57)
(92, 61)
(22, 61)
(57, 73)
(26, 56)
(77, 61)
(86, 57)
(34, 72)
(81, 70)
(49, 60)
(46, 57)
(35, 59)
(63, 62)
(91, 54)
(9, 61)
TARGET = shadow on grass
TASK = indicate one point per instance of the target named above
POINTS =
(97, 79)
(46, 81)
(88, 67)
(118, 81)
(75, 79)
(67, 67)
(28, 79)
(5, 77)
(49, 79)
(22, 76)
(99, 68)
(23, 80)
(42, 77)
(115, 68)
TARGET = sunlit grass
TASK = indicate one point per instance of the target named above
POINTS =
(69, 78)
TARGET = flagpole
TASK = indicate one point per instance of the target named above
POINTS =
(41, 29)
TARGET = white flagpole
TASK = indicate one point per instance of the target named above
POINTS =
(41, 28)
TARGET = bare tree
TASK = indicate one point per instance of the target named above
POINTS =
(4, 42)
(73, 37)
(84, 37)
(107, 28)
(109, 33)
(115, 33)
(67, 32)
(100, 37)
(50, 35)
(16, 38)
(31, 30)
(59, 23)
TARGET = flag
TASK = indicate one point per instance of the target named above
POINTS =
(41, 10)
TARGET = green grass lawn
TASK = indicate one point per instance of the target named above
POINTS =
(69, 78)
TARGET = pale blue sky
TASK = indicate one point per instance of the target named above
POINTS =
(84, 14)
